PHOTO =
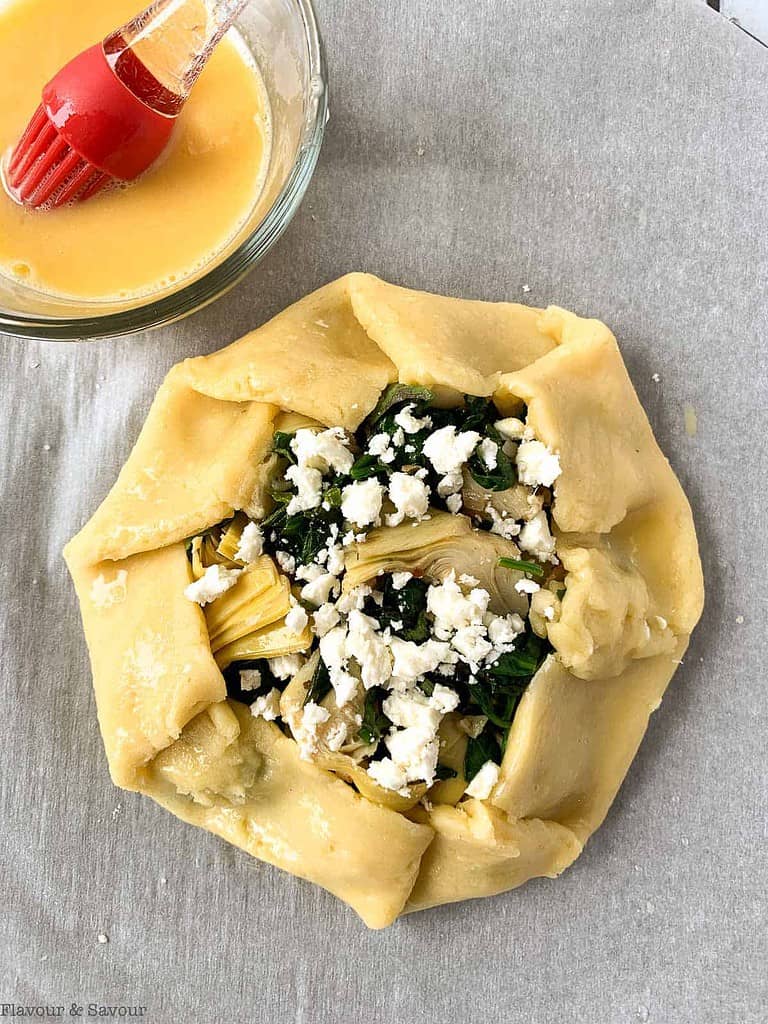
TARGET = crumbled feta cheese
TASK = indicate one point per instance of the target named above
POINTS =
(513, 429)
(452, 609)
(251, 544)
(415, 751)
(310, 572)
(379, 445)
(367, 647)
(415, 660)
(469, 581)
(354, 598)
(537, 464)
(268, 706)
(473, 644)
(447, 666)
(410, 497)
(335, 559)
(400, 579)
(411, 709)
(305, 732)
(324, 450)
(447, 450)
(318, 591)
(473, 725)
(388, 775)
(361, 502)
(297, 619)
(250, 679)
(105, 594)
(398, 438)
(286, 562)
(527, 586)
(216, 581)
(449, 484)
(409, 423)
(444, 699)
(488, 451)
(333, 651)
(333, 648)
(536, 538)
(453, 503)
(325, 618)
(308, 483)
(286, 666)
(656, 378)
(504, 629)
(480, 787)
(501, 524)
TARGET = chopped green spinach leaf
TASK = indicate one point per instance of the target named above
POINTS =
(523, 661)
(500, 478)
(532, 568)
(479, 750)
(404, 611)
(366, 466)
(397, 394)
(281, 444)
(320, 685)
(301, 535)
(375, 722)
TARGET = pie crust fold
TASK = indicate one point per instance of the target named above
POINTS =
(625, 536)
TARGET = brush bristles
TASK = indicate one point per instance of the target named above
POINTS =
(44, 171)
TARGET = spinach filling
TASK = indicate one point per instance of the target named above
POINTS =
(478, 414)
(495, 690)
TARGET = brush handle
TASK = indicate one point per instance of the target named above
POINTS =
(160, 53)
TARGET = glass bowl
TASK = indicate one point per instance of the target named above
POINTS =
(284, 37)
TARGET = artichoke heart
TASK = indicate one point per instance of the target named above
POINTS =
(248, 621)
(289, 422)
(260, 597)
(273, 641)
(230, 539)
(261, 503)
(349, 770)
(434, 548)
(517, 502)
(345, 762)
(453, 747)
(204, 552)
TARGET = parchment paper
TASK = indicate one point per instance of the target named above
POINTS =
(610, 157)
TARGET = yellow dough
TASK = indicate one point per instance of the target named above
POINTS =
(625, 537)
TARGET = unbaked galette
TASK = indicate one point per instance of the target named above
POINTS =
(387, 590)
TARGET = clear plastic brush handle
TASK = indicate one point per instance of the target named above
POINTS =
(169, 44)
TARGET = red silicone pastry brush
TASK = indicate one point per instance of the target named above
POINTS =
(109, 113)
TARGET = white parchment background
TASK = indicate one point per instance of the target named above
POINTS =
(612, 157)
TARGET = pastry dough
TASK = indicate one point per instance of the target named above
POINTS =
(625, 536)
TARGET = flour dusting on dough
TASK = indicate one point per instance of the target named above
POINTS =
(105, 594)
